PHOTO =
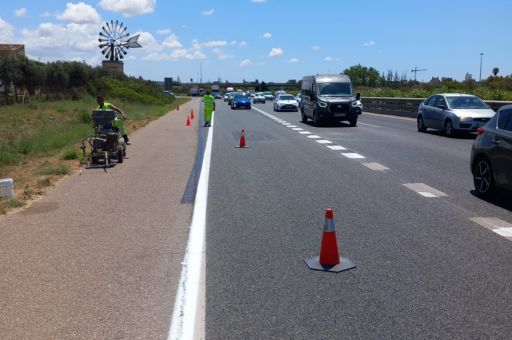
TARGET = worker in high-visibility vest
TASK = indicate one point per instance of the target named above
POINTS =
(118, 122)
(209, 107)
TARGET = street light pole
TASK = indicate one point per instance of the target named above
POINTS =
(481, 55)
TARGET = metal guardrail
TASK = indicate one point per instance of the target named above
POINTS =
(408, 106)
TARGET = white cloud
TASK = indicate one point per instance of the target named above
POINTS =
(163, 31)
(80, 13)
(330, 59)
(266, 35)
(187, 54)
(207, 13)
(129, 7)
(246, 62)
(20, 12)
(242, 44)
(220, 54)
(258, 1)
(315, 48)
(172, 42)
(6, 31)
(233, 42)
(275, 52)
(293, 61)
(369, 43)
(45, 14)
(215, 43)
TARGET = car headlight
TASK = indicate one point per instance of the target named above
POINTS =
(465, 119)
(322, 104)
(357, 103)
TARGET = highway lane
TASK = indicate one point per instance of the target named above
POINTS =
(424, 269)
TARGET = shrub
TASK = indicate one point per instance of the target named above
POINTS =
(59, 170)
(70, 154)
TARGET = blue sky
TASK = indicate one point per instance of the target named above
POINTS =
(272, 40)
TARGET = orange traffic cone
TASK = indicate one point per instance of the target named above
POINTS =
(192, 114)
(188, 121)
(329, 259)
(242, 144)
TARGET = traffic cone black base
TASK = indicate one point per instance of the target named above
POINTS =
(314, 264)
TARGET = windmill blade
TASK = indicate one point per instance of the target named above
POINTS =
(132, 42)
(103, 34)
(105, 30)
(102, 45)
(109, 30)
(116, 26)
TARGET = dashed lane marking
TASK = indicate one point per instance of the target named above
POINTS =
(324, 141)
(375, 166)
(336, 147)
(297, 129)
(313, 136)
(304, 132)
(499, 226)
(424, 190)
(352, 155)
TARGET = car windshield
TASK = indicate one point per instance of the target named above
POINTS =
(287, 97)
(238, 96)
(466, 102)
(334, 89)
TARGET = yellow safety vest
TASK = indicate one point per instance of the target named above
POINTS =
(208, 101)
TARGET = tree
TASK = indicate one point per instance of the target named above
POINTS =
(263, 86)
(495, 71)
(362, 75)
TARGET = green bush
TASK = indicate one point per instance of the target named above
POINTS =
(70, 154)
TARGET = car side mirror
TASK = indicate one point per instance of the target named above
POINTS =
(358, 96)
(443, 107)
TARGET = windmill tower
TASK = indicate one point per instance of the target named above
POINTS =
(114, 44)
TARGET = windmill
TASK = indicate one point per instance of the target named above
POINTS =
(114, 44)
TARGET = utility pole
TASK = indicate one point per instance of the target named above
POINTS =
(481, 55)
(416, 70)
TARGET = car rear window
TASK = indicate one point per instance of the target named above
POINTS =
(505, 120)
(281, 97)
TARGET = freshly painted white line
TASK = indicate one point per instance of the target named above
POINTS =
(352, 155)
(183, 324)
(426, 194)
(423, 188)
(506, 232)
(375, 166)
(286, 124)
(336, 147)
(313, 136)
(297, 129)
(324, 141)
(304, 132)
(369, 124)
(292, 126)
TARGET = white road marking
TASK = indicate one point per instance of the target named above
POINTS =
(297, 129)
(186, 304)
(352, 155)
(304, 132)
(324, 141)
(336, 147)
(506, 232)
(313, 136)
(375, 166)
(292, 126)
(369, 124)
(424, 190)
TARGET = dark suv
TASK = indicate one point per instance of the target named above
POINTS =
(491, 155)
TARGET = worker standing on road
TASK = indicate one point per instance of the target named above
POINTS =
(102, 105)
(209, 107)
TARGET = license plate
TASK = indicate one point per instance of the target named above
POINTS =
(340, 115)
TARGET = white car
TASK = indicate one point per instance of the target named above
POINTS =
(286, 102)
(258, 98)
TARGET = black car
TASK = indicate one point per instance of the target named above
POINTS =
(491, 155)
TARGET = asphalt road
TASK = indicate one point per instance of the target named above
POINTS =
(425, 268)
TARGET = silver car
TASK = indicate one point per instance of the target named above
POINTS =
(453, 112)
(286, 102)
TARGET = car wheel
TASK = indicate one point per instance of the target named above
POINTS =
(421, 124)
(482, 177)
(353, 121)
(249, 107)
(119, 154)
(448, 128)
(303, 116)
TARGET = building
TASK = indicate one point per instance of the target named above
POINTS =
(12, 50)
